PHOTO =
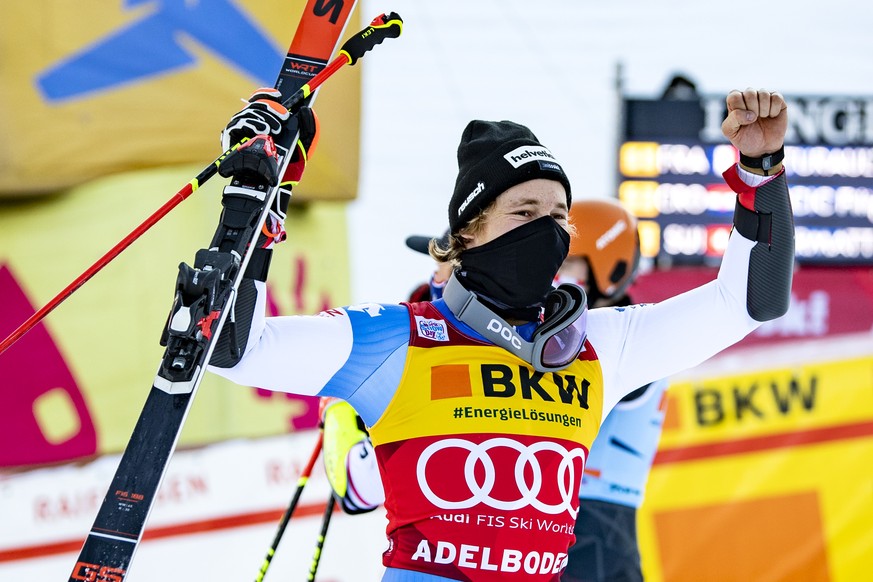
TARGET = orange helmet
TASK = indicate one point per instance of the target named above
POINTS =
(607, 237)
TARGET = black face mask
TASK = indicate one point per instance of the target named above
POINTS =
(514, 272)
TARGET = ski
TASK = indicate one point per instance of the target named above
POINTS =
(204, 293)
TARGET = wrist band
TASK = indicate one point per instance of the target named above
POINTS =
(765, 162)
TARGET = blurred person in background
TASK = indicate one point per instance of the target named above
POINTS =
(604, 260)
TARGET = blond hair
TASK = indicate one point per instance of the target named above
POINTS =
(457, 244)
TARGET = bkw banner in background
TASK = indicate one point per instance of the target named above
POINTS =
(763, 471)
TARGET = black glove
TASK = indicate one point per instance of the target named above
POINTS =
(263, 119)
(250, 132)
(264, 115)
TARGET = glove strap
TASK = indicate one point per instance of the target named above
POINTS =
(255, 160)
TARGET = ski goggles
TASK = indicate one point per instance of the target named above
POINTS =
(555, 344)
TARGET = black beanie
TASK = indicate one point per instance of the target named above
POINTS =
(494, 156)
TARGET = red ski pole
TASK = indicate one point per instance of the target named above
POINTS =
(382, 27)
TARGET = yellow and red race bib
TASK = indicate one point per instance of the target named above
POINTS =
(482, 456)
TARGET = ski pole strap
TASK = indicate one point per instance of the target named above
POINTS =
(383, 26)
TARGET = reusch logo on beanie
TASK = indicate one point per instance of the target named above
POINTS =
(480, 187)
(494, 156)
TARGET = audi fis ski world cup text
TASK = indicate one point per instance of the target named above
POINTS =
(512, 522)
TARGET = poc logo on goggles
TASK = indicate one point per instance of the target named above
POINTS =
(504, 332)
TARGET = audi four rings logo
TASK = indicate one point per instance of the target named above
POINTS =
(478, 454)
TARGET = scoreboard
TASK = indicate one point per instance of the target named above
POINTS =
(672, 154)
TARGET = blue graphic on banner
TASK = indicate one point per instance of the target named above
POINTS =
(155, 45)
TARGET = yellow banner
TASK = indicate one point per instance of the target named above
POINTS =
(764, 476)
(75, 384)
(100, 87)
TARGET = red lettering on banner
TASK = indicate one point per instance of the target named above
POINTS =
(282, 473)
(66, 505)
(178, 489)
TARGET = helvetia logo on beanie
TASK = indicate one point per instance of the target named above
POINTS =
(529, 153)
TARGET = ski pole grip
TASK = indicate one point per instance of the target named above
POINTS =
(383, 26)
